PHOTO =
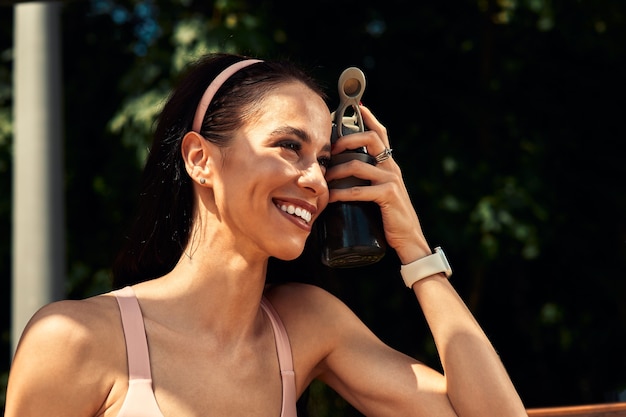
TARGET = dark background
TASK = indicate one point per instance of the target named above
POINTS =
(506, 117)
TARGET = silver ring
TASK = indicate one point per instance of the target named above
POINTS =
(384, 155)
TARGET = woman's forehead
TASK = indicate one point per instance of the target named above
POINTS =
(295, 105)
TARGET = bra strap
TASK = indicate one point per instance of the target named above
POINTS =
(134, 333)
(285, 360)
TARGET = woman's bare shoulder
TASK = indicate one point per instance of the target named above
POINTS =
(299, 298)
(77, 321)
(72, 340)
(310, 310)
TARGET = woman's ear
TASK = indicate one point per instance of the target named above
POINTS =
(196, 152)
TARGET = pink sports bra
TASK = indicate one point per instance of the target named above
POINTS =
(140, 400)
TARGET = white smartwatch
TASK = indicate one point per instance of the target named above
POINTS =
(425, 267)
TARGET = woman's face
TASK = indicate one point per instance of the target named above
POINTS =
(270, 186)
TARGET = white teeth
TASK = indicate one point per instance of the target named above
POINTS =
(298, 211)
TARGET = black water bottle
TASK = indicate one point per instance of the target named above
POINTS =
(351, 233)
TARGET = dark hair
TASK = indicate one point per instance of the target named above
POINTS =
(161, 230)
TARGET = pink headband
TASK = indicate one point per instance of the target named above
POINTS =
(203, 105)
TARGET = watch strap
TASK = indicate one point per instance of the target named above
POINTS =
(426, 267)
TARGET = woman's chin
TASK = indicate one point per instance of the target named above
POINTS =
(291, 254)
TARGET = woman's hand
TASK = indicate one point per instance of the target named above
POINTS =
(402, 227)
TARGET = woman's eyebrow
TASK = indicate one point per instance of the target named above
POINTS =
(299, 133)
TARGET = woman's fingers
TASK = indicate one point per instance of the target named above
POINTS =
(373, 124)
(374, 139)
(387, 190)
(370, 139)
(358, 169)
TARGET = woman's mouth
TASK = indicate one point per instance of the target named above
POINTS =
(296, 211)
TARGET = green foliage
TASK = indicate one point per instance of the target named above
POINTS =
(133, 123)
(188, 36)
(495, 216)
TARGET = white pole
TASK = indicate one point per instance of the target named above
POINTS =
(38, 263)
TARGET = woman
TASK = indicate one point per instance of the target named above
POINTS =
(237, 174)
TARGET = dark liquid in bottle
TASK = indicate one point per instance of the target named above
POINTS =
(351, 233)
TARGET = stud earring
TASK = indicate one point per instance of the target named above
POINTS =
(202, 180)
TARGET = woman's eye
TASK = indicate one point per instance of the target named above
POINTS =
(324, 162)
(292, 146)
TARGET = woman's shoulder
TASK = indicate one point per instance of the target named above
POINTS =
(72, 340)
(319, 325)
(84, 330)
(300, 297)
(78, 321)
(310, 308)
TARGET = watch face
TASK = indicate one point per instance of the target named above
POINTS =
(444, 259)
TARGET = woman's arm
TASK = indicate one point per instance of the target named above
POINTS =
(330, 343)
(475, 382)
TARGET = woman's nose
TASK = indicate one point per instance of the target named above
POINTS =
(313, 179)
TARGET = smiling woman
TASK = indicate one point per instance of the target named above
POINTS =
(237, 175)
(165, 218)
